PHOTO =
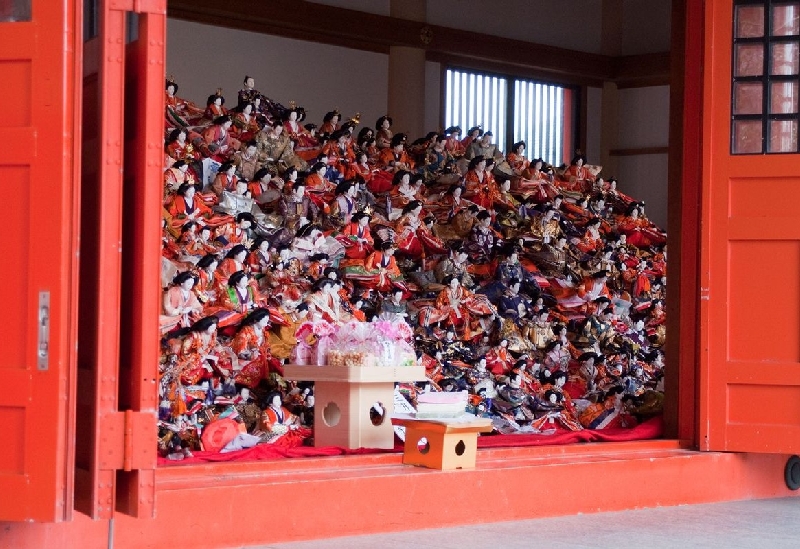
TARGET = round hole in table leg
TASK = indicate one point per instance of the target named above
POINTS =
(377, 413)
(423, 446)
(461, 448)
(331, 414)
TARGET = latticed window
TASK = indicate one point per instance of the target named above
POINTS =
(513, 110)
(766, 76)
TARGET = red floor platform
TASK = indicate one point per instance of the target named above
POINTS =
(250, 503)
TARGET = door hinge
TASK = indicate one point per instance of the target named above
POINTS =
(128, 440)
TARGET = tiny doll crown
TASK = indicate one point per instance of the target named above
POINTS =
(292, 105)
(219, 91)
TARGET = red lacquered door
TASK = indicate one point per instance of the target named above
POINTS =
(38, 185)
(749, 386)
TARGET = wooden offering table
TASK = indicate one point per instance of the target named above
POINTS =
(344, 397)
(443, 443)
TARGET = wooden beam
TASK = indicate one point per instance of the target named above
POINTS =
(650, 69)
(639, 151)
(304, 20)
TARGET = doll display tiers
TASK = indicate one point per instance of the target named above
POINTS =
(354, 403)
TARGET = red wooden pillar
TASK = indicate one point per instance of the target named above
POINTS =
(118, 341)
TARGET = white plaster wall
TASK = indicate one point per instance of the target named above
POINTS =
(644, 122)
(571, 24)
(644, 177)
(643, 117)
(433, 96)
(646, 26)
(593, 124)
(317, 76)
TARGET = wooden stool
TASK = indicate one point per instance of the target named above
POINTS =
(343, 398)
(443, 444)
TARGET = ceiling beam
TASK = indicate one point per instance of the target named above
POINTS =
(304, 20)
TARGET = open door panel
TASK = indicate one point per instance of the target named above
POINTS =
(750, 241)
(39, 188)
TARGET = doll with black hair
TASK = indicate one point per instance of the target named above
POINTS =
(239, 298)
(275, 146)
(577, 176)
(297, 209)
(356, 237)
(180, 304)
(221, 144)
(305, 146)
(200, 355)
(179, 113)
(282, 427)
(245, 123)
(246, 161)
(252, 347)
(484, 147)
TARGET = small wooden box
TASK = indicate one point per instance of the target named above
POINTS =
(344, 396)
(443, 444)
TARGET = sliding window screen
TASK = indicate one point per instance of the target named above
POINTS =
(474, 99)
(514, 109)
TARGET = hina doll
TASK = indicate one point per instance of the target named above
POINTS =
(537, 184)
(516, 159)
(282, 427)
(383, 135)
(180, 113)
(414, 238)
(180, 304)
(343, 206)
(305, 145)
(207, 284)
(221, 144)
(246, 161)
(178, 148)
(475, 178)
(456, 306)
(282, 341)
(245, 124)
(484, 147)
(453, 143)
(187, 206)
(251, 345)
(357, 238)
(238, 299)
(330, 122)
(275, 146)
(325, 303)
(577, 177)
(638, 229)
(380, 271)
(297, 209)
(226, 179)
(200, 355)
(215, 106)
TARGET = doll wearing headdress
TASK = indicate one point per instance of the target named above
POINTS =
(179, 113)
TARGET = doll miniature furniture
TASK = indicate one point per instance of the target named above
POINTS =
(354, 404)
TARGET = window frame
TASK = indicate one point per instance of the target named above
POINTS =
(570, 109)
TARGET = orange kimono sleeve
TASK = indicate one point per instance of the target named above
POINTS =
(371, 261)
